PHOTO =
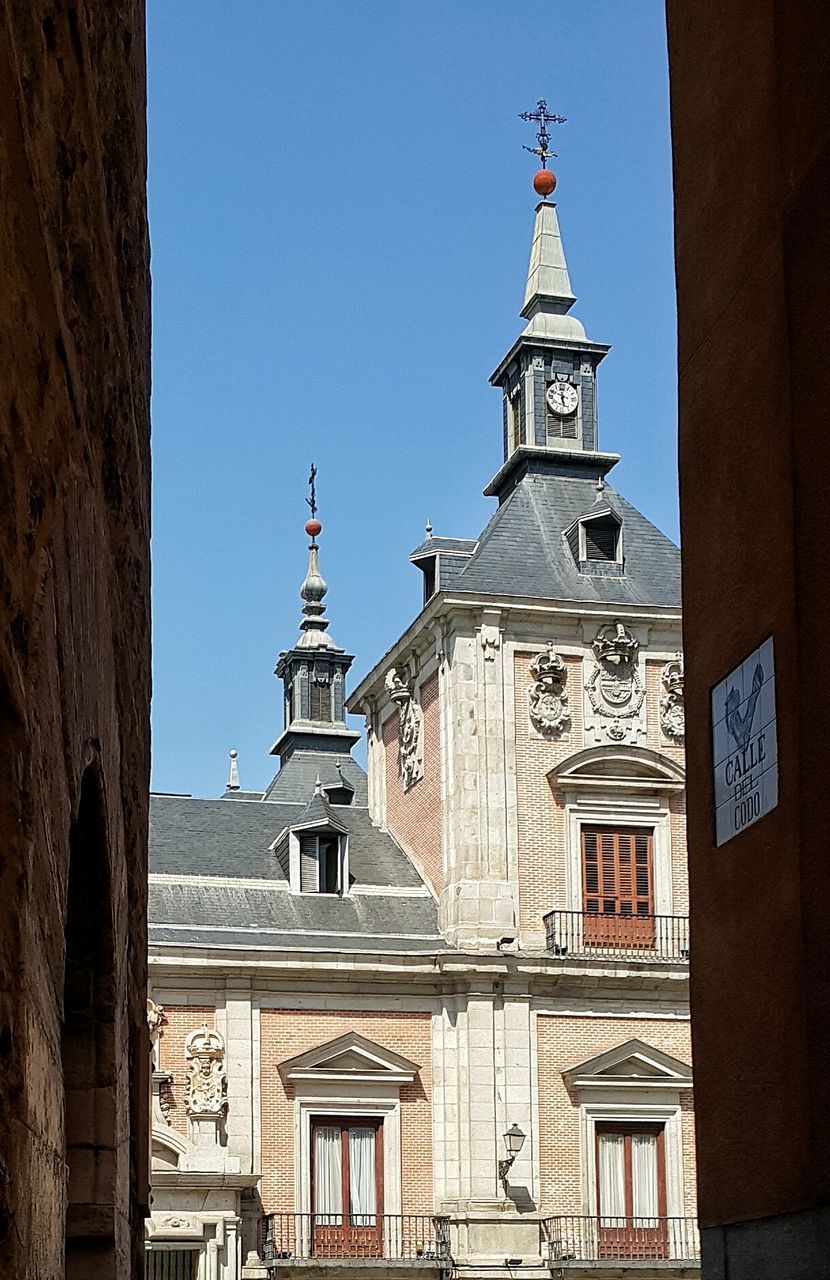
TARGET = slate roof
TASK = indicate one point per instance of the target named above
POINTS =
(193, 838)
(523, 550)
(294, 783)
(218, 916)
(458, 546)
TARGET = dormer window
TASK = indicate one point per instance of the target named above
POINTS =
(314, 850)
(321, 862)
(602, 538)
(596, 542)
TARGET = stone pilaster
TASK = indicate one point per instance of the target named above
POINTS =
(237, 1031)
(477, 905)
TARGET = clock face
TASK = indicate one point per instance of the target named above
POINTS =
(562, 398)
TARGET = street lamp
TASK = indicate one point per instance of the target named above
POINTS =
(513, 1141)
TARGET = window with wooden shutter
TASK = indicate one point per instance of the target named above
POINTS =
(309, 865)
(617, 885)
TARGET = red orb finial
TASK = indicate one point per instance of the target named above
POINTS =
(313, 528)
(544, 182)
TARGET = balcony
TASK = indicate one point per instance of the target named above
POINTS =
(395, 1244)
(588, 1244)
(651, 939)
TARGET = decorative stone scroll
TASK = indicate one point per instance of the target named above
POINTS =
(206, 1092)
(616, 690)
(672, 703)
(549, 709)
(400, 687)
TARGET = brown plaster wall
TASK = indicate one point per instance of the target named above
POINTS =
(751, 140)
(74, 615)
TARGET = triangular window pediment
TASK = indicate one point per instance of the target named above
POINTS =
(350, 1057)
(632, 1064)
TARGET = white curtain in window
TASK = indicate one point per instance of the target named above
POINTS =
(611, 1178)
(362, 1189)
(644, 1175)
(328, 1176)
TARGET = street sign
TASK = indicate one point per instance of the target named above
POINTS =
(745, 741)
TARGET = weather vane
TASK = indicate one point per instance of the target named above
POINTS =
(542, 117)
(544, 182)
(313, 526)
(312, 501)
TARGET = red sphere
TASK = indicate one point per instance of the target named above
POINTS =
(313, 527)
(544, 182)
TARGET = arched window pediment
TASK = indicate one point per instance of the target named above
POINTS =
(628, 767)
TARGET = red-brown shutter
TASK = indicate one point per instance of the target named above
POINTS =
(617, 883)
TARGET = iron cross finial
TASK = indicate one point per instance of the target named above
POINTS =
(312, 501)
(542, 117)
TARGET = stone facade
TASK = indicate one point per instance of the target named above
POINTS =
(74, 640)
(458, 976)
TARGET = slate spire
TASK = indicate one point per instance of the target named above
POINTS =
(314, 671)
(548, 294)
(548, 377)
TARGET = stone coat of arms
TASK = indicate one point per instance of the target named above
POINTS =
(672, 707)
(549, 709)
(615, 688)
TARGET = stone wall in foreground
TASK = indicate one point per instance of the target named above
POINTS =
(74, 637)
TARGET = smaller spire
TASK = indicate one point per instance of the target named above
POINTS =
(600, 486)
(314, 623)
(233, 774)
(428, 528)
(318, 786)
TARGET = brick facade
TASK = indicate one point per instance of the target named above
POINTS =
(542, 835)
(287, 1032)
(414, 816)
(179, 1022)
(541, 816)
(564, 1042)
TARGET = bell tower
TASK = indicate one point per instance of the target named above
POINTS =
(548, 378)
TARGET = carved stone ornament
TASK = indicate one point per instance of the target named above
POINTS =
(490, 636)
(155, 1019)
(206, 1092)
(549, 710)
(155, 1022)
(615, 689)
(672, 704)
(400, 687)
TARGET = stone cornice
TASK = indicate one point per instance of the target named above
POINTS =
(520, 608)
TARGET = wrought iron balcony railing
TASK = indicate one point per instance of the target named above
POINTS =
(579, 1239)
(395, 1237)
(581, 934)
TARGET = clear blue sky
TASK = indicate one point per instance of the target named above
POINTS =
(341, 214)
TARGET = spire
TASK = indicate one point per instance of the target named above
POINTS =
(314, 671)
(548, 377)
(233, 774)
(548, 293)
(314, 624)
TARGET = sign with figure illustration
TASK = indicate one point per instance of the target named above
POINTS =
(745, 742)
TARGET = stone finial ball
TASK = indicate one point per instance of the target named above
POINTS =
(313, 527)
(544, 182)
